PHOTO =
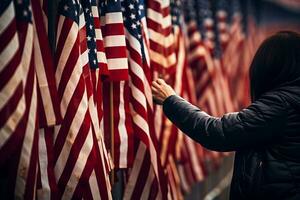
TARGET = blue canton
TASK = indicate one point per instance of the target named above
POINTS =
(133, 12)
(70, 9)
(90, 32)
(23, 11)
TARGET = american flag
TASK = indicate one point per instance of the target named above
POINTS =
(117, 117)
(161, 38)
(114, 39)
(78, 162)
(147, 158)
(49, 112)
(18, 100)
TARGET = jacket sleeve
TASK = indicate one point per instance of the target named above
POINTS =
(260, 123)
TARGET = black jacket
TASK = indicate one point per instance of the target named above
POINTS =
(265, 136)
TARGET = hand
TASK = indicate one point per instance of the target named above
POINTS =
(161, 91)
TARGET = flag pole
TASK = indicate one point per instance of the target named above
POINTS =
(112, 177)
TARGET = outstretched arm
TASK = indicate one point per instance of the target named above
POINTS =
(260, 123)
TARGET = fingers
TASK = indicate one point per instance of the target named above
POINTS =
(160, 81)
(155, 85)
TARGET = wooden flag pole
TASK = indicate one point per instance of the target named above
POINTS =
(112, 146)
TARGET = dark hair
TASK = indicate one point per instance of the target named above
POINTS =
(276, 63)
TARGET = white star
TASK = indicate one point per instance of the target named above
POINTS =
(73, 2)
(66, 7)
(133, 26)
(131, 6)
(94, 61)
(139, 12)
(91, 27)
(123, 9)
(88, 38)
(132, 16)
(141, 7)
(75, 13)
(95, 39)
(95, 50)
(87, 10)
(124, 18)
(139, 35)
(25, 13)
(138, 23)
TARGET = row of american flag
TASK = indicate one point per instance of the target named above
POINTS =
(69, 120)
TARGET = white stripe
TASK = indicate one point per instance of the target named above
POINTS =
(134, 43)
(180, 66)
(25, 156)
(183, 180)
(162, 60)
(78, 167)
(195, 162)
(44, 192)
(136, 170)
(7, 17)
(9, 52)
(147, 186)
(43, 84)
(101, 57)
(114, 41)
(12, 122)
(113, 18)
(98, 34)
(65, 54)
(165, 41)
(142, 123)
(117, 63)
(61, 21)
(137, 69)
(165, 22)
(122, 129)
(81, 21)
(73, 132)
(95, 11)
(94, 186)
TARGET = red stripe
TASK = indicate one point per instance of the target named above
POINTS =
(113, 29)
(157, 27)
(115, 52)
(70, 113)
(118, 74)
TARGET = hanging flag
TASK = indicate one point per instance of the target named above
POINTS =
(114, 39)
(19, 101)
(147, 160)
(78, 164)
(49, 112)
(117, 117)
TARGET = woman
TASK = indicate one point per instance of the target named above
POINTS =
(265, 135)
